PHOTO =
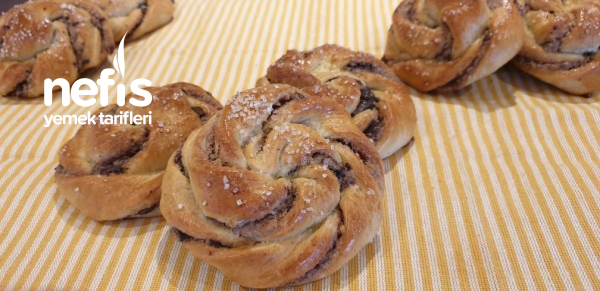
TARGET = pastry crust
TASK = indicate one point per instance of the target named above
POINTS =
(445, 45)
(279, 188)
(136, 17)
(111, 172)
(562, 43)
(379, 104)
(48, 39)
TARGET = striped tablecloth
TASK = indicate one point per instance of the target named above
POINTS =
(500, 189)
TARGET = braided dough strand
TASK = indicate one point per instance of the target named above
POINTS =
(279, 188)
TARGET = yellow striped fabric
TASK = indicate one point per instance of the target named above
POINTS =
(500, 189)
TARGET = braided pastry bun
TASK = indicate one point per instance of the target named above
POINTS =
(380, 105)
(136, 17)
(445, 45)
(47, 39)
(111, 172)
(279, 188)
(562, 43)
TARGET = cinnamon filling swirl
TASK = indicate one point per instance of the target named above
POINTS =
(21, 87)
(145, 210)
(179, 163)
(184, 237)
(368, 101)
(117, 164)
(144, 8)
(468, 72)
(562, 66)
(328, 256)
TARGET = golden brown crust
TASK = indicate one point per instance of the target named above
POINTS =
(48, 39)
(562, 43)
(115, 171)
(378, 102)
(446, 45)
(279, 188)
(139, 17)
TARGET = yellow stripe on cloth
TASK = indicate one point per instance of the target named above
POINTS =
(500, 189)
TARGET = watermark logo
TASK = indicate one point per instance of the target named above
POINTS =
(101, 86)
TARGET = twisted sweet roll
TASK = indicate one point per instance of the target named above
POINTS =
(279, 188)
(48, 39)
(446, 45)
(139, 17)
(379, 104)
(111, 172)
(562, 43)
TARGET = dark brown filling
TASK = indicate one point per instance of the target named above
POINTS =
(250, 227)
(355, 149)
(183, 237)
(361, 66)
(563, 66)
(286, 99)
(467, 72)
(179, 163)
(408, 9)
(201, 114)
(200, 97)
(367, 100)
(76, 45)
(98, 21)
(558, 34)
(147, 210)
(144, 8)
(116, 164)
(375, 130)
(446, 53)
(20, 88)
(345, 175)
(326, 258)
(212, 153)
(369, 67)
(522, 7)
(61, 170)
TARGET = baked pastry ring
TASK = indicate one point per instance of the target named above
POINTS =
(562, 43)
(279, 188)
(139, 17)
(111, 172)
(47, 39)
(445, 45)
(380, 105)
